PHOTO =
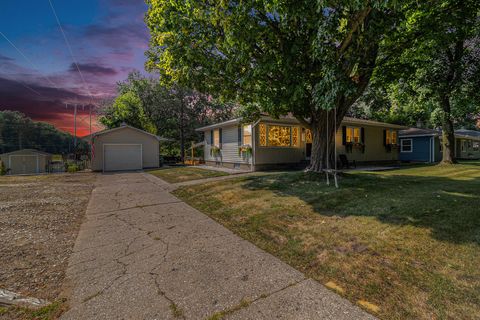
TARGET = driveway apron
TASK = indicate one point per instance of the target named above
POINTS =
(143, 254)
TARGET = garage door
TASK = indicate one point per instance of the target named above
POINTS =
(118, 157)
(23, 164)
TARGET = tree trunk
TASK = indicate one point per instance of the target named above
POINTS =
(448, 133)
(323, 140)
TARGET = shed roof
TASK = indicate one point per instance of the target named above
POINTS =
(422, 132)
(28, 150)
(99, 133)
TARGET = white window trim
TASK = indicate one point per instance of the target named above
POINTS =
(401, 145)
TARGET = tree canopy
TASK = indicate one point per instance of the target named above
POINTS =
(19, 132)
(300, 57)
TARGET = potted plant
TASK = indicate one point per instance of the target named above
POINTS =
(245, 151)
(215, 151)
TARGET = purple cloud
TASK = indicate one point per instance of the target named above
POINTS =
(94, 69)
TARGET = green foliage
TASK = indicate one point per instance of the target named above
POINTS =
(170, 111)
(127, 108)
(19, 132)
(72, 167)
(3, 168)
(278, 57)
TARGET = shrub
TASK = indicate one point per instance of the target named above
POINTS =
(3, 169)
(72, 168)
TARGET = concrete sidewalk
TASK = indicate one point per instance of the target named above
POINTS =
(144, 254)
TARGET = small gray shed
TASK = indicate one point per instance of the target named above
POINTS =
(26, 161)
(124, 148)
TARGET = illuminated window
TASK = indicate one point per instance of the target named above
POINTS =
(279, 136)
(216, 138)
(263, 135)
(356, 135)
(391, 136)
(247, 135)
(308, 136)
(295, 137)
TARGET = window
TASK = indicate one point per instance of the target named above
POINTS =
(279, 136)
(464, 145)
(391, 136)
(263, 135)
(295, 136)
(216, 138)
(353, 135)
(476, 146)
(308, 136)
(406, 145)
(247, 135)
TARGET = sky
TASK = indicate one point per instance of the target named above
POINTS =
(107, 38)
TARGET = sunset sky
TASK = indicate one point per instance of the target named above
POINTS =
(108, 39)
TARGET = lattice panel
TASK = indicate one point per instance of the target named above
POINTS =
(308, 136)
(263, 135)
(295, 138)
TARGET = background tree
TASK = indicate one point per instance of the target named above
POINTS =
(170, 111)
(19, 132)
(300, 57)
(437, 76)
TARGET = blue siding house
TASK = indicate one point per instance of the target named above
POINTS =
(425, 145)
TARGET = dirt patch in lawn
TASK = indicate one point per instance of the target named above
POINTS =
(39, 221)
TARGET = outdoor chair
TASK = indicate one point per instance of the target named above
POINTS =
(344, 163)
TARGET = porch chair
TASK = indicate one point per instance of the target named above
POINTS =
(344, 163)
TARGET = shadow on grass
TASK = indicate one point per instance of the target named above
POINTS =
(448, 205)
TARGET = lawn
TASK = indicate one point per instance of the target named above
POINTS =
(182, 174)
(404, 244)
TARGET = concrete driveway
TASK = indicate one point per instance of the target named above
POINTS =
(144, 254)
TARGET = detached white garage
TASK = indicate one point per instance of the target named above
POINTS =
(124, 148)
(26, 161)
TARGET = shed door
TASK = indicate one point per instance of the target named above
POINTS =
(118, 157)
(23, 164)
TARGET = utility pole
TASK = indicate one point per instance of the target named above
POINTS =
(75, 127)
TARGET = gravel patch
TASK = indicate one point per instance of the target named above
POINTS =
(39, 221)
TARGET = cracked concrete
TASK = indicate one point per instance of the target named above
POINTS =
(142, 253)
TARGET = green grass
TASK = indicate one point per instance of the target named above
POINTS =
(181, 174)
(50, 312)
(406, 241)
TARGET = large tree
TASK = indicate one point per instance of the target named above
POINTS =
(438, 68)
(305, 57)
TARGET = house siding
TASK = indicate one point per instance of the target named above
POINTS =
(421, 149)
(28, 159)
(469, 152)
(229, 147)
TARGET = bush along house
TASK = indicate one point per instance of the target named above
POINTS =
(425, 145)
(281, 143)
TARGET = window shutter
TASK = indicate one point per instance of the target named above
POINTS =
(211, 137)
(220, 137)
(362, 135)
(384, 137)
(344, 135)
(239, 136)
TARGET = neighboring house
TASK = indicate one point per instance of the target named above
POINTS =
(270, 142)
(124, 148)
(26, 161)
(425, 145)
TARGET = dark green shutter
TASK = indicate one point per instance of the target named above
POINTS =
(344, 135)
(239, 136)
(362, 135)
(220, 137)
(384, 137)
(211, 137)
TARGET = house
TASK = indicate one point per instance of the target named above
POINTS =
(26, 161)
(124, 148)
(270, 142)
(425, 145)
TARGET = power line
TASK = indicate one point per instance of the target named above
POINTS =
(28, 60)
(70, 49)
